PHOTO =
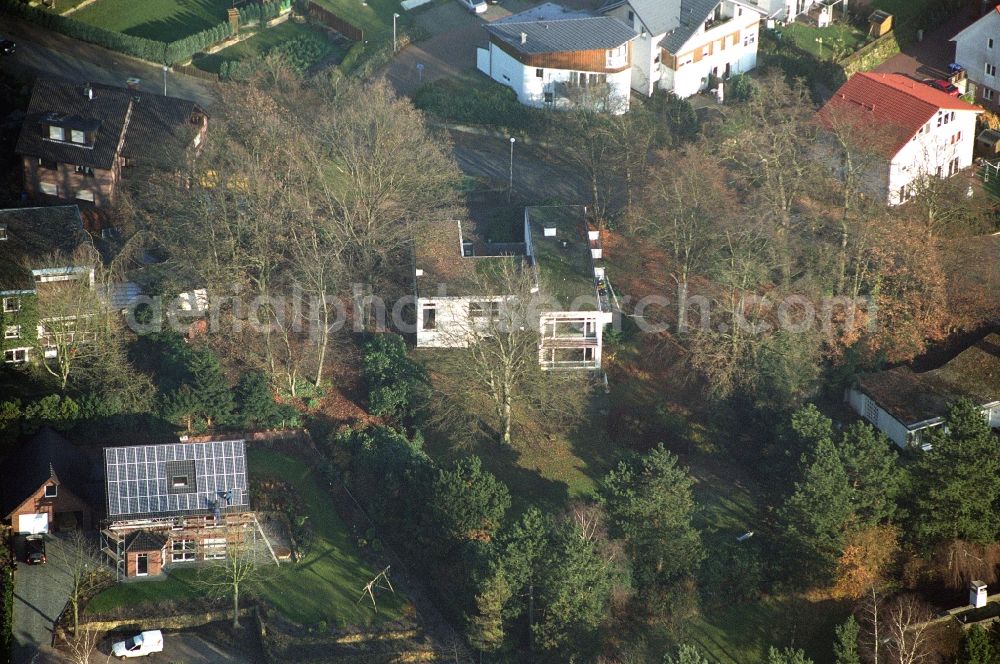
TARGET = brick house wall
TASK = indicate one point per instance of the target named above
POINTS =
(196, 530)
(154, 562)
(64, 502)
(68, 182)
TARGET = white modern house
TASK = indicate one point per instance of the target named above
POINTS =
(686, 45)
(905, 405)
(456, 299)
(785, 10)
(913, 130)
(977, 49)
(553, 57)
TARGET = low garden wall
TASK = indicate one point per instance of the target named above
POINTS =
(870, 55)
(181, 621)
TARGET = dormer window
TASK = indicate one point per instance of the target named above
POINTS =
(3, 233)
(57, 133)
(51, 491)
(77, 136)
(84, 170)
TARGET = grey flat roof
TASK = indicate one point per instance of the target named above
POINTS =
(550, 28)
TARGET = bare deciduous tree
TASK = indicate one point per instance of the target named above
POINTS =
(82, 564)
(234, 575)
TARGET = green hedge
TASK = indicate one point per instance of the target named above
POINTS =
(6, 611)
(480, 102)
(147, 49)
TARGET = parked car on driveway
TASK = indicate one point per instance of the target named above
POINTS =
(7, 47)
(474, 6)
(944, 86)
(34, 550)
(139, 645)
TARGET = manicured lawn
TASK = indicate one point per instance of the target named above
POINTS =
(327, 583)
(324, 586)
(374, 17)
(262, 42)
(903, 10)
(838, 40)
(162, 20)
(179, 584)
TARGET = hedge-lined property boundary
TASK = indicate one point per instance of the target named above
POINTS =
(6, 610)
(167, 53)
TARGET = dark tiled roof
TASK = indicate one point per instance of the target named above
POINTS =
(550, 28)
(144, 540)
(693, 15)
(34, 234)
(146, 126)
(916, 397)
(32, 464)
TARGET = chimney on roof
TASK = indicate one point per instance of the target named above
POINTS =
(89, 91)
(524, 37)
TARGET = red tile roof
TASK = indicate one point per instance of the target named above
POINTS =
(890, 104)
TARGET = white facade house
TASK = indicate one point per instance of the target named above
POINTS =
(906, 405)
(977, 50)
(917, 131)
(553, 57)
(785, 10)
(686, 45)
(38, 247)
(457, 302)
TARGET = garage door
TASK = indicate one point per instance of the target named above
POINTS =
(32, 523)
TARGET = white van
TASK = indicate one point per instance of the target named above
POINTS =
(139, 645)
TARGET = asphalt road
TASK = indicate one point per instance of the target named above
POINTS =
(47, 53)
(178, 648)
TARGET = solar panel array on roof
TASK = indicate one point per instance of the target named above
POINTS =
(139, 481)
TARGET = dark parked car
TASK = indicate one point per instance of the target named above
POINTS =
(7, 47)
(34, 550)
(944, 86)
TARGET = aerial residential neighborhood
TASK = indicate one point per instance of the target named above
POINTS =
(604, 331)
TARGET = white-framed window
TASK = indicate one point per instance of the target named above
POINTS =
(12, 332)
(989, 42)
(429, 316)
(539, 73)
(617, 57)
(215, 548)
(84, 195)
(987, 94)
(15, 355)
(51, 491)
(49, 188)
(490, 310)
(84, 170)
(179, 481)
(77, 136)
(991, 69)
(183, 550)
(57, 133)
(11, 304)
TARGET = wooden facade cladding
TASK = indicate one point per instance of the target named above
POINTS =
(589, 61)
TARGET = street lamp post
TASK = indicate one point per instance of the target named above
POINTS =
(394, 17)
(510, 184)
(165, 68)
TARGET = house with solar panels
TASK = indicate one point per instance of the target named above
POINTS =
(174, 504)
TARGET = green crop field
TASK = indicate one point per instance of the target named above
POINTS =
(162, 20)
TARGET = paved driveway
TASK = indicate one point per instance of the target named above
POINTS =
(931, 57)
(40, 593)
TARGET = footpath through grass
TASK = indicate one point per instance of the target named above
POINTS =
(323, 587)
(161, 20)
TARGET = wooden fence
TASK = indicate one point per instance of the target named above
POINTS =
(331, 20)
